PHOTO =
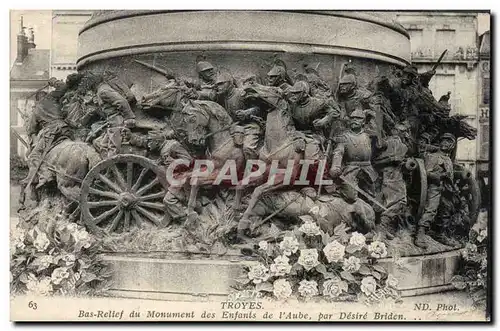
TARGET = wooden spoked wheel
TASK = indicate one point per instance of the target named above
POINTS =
(121, 192)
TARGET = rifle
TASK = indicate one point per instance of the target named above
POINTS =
(22, 194)
(154, 68)
(329, 146)
(18, 136)
(439, 60)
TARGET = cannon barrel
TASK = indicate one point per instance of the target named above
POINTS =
(411, 164)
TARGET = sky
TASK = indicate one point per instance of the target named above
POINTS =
(41, 22)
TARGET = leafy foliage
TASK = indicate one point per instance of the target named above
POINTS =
(58, 257)
(473, 272)
(310, 264)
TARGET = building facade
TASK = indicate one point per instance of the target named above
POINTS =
(28, 75)
(432, 33)
(66, 25)
(483, 169)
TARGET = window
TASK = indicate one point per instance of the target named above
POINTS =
(445, 39)
(486, 90)
(416, 39)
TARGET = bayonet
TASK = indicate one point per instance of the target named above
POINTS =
(439, 60)
(154, 68)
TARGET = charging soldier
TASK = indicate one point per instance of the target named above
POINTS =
(232, 99)
(439, 169)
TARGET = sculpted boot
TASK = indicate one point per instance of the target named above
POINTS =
(420, 238)
(384, 229)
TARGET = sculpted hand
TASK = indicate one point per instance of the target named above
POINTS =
(130, 123)
(320, 122)
(299, 144)
(335, 171)
(241, 114)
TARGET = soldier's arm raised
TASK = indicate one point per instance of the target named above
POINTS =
(116, 99)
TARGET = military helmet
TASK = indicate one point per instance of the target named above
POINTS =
(237, 129)
(426, 135)
(300, 86)
(223, 77)
(203, 66)
(277, 70)
(448, 136)
(411, 69)
(358, 113)
(348, 79)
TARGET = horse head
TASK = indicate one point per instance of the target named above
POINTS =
(196, 120)
(268, 97)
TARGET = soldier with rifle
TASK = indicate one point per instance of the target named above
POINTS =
(46, 126)
(439, 168)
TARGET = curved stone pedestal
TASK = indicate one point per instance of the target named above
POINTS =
(152, 276)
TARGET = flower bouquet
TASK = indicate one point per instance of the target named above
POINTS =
(308, 263)
(59, 258)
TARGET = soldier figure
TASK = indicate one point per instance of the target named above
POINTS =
(354, 151)
(310, 112)
(232, 99)
(351, 96)
(439, 169)
(207, 74)
(319, 87)
(45, 128)
(389, 163)
(425, 146)
(278, 76)
(115, 99)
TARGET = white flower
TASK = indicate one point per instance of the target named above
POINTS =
(69, 259)
(308, 258)
(289, 245)
(377, 249)
(352, 264)
(42, 287)
(263, 245)
(59, 274)
(72, 227)
(258, 273)
(308, 288)
(82, 236)
(44, 261)
(334, 251)
(368, 285)
(18, 237)
(357, 240)
(41, 242)
(482, 235)
(282, 289)
(310, 229)
(334, 287)
(280, 267)
(391, 281)
(469, 250)
(314, 211)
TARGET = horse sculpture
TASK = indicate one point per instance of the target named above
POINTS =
(279, 145)
(67, 163)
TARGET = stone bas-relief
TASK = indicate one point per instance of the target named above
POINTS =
(325, 177)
